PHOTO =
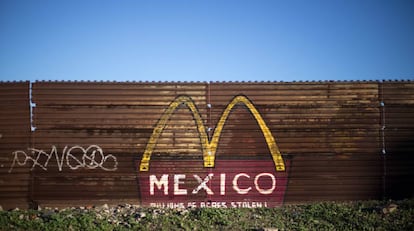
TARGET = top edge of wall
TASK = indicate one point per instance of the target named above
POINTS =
(15, 81)
(214, 82)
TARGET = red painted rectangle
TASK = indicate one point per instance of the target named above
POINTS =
(231, 183)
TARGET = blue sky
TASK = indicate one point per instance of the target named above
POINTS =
(206, 40)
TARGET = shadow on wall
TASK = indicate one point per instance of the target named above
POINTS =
(399, 165)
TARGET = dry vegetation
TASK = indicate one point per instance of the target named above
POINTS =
(366, 215)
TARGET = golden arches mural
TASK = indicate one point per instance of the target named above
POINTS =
(210, 147)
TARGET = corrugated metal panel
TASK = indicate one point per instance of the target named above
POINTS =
(14, 135)
(116, 117)
(90, 138)
(330, 131)
(398, 144)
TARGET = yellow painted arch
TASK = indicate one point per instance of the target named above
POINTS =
(210, 147)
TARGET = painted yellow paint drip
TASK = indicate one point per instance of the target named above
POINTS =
(210, 147)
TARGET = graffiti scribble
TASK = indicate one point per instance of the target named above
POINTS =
(74, 157)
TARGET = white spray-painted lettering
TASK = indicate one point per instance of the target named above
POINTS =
(75, 157)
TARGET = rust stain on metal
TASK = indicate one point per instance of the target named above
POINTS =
(339, 140)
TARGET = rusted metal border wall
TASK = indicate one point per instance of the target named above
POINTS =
(329, 131)
(397, 110)
(115, 120)
(14, 135)
(338, 140)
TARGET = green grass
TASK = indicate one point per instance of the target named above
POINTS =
(366, 215)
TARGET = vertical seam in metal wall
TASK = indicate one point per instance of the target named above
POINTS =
(209, 128)
(208, 99)
(32, 143)
(382, 132)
